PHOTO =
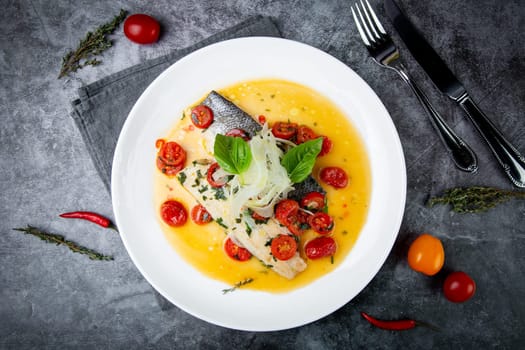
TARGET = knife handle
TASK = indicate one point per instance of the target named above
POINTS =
(507, 155)
(463, 157)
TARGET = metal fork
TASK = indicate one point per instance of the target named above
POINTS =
(385, 53)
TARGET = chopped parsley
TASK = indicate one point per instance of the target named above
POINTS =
(248, 229)
(203, 189)
(220, 221)
(181, 177)
(219, 193)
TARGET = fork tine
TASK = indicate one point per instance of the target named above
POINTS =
(360, 29)
(370, 22)
(376, 20)
(363, 22)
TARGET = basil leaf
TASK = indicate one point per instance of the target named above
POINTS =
(232, 153)
(300, 160)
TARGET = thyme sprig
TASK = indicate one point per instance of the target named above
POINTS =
(92, 45)
(60, 240)
(238, 285)
(474, 199)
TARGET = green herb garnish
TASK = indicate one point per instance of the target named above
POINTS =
(60, 240)
(238, 285)
(300, 160)
(181, 177)
(92, 45)
(248, 229)
(220, 221)
(474, 199)
(232, 153)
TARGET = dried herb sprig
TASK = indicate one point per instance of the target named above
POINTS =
(60, 240)
(238, 285)
(474, 199)
(92, 45)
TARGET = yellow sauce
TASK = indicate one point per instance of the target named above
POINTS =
(277, 100)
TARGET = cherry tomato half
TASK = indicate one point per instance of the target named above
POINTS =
(334, 176)
(284, 130)
(209, 176)
(200, 215)
(313, 201)
(170, 157)
(283, 247)
(173, 213)
(284, 209)
(304, 134)
(235, 251)
(426, 255)
(327, 146)
(261, 119)
(321, 223)
(201, 116)
(297, 223)
(320, 247)
(141, 29)
(239, 133)
(459, 287)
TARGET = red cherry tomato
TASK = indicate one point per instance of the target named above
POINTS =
(142, 29)
(258, 218)
(239, 133)
(459, 287)
(170, 157)
(334, 176)
(283, 247)
(200, 215)
(209, 176)
(201, 116)
(321, 223)
(327, 146)
(304, 134)
(262, 119)
(284, 209)
(173, 213)
(235, 251)
(295, 223)
(284, 130)
(313, 201)
(320, 247)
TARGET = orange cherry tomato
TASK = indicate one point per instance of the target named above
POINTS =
(426, 255)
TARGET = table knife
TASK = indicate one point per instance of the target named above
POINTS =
(507, 155)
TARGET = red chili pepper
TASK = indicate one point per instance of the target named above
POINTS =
(399, 325)
(89, 216)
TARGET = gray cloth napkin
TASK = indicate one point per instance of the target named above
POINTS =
(102, 107)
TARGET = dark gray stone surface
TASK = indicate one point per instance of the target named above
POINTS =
(50, 298)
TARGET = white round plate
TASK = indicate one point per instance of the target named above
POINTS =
(156, 111)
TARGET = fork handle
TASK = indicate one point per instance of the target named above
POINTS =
(463, 157)
(507, 155)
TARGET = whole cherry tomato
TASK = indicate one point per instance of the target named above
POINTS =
(283, 247)
(320, 247)
(235, 251)
(201, 116)
(142, 29)
(334, 176)
(426, 255)
(200, 215)
(459, 287)
(173, 213)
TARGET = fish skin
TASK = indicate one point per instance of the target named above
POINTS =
(228, 116)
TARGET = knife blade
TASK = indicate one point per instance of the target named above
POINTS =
(507, 155)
